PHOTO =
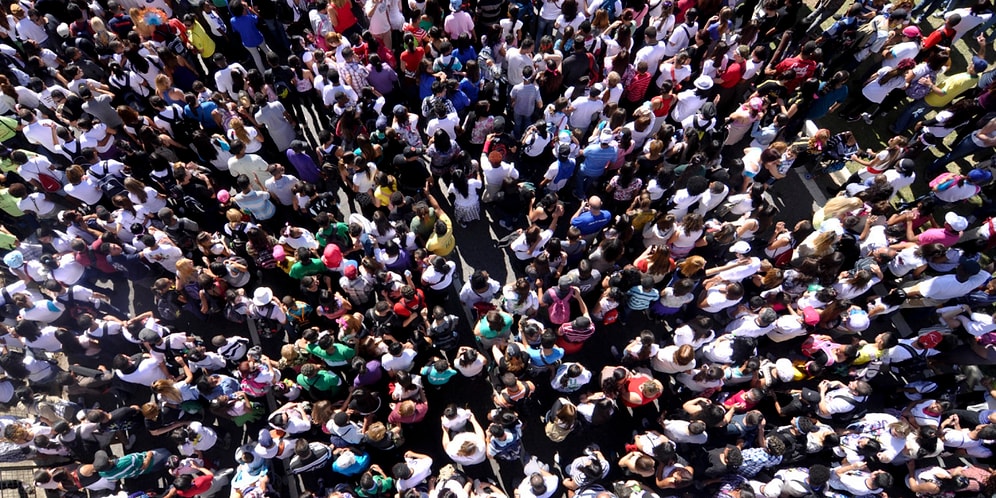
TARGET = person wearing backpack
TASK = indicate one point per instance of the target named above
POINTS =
(182, 231)
(842, 401)
(557, 300)
(611, 7)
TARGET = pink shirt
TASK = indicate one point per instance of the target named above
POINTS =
(940, 235)
(457, 24)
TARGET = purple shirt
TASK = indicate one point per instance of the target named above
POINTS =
(307, 170)
(383, 81)
(370, 375)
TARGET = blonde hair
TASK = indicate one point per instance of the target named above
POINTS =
(233, 215)
(162, 83)
(838, 205)
(691, 265)
(166, 389)
(185, 265)
(240, 130)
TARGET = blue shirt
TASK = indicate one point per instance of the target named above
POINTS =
(469, 88)
(822, 105)
(435, 377)
(202, 114)
(589, 223)
(538, 359)
(257, 203)
(597, 158)
(245, 26)
(362, 460)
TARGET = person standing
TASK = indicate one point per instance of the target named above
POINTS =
(245, 22)
(525, 100)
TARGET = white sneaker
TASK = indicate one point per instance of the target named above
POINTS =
(866, 117)
(937, 14)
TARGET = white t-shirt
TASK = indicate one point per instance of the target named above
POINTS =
(148, 371)
(458, 440)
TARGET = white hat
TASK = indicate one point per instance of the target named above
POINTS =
(703, 82)
(346, 459)
(564, 136)
(784, 369)
(857, 321)
(265, 446)
(741, 247)
(262, 296)
(605, 137)
(958, 223)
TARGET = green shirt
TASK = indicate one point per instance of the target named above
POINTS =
(125, 467)
(324, 380)
(435, 377)
(299, 270)
(339, 355)
(423, 229)
(8, 204)
(382, 486)
(8, 128)
(323, 235)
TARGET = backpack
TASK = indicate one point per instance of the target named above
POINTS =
(594, 69)
(183, 128)
(237, 237)
(233, 312)
(264, 259)
(914, 368)
(448, 67)
(173, 42)
(168, 305)
(268, 327)
(110, 183)
(859, 411)
(48, 182)
(76, 307)
(560, 309)
(609, 6)
(182, 203)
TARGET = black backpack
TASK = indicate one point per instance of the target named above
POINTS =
(110, 183)
(183, 128)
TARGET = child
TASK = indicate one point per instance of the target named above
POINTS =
(438, 373)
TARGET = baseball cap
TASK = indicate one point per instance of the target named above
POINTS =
(351, 271)
(332, 256)
(957, 223)
(741, 247)
(911, 32)
(931, 339)
(979, 64)
(857, 320)
(224, 196)
(978, 176)
(605, 137)
(810, 316)
(400, 110)
(14, 259)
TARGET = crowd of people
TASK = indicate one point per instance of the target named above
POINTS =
(234, 235)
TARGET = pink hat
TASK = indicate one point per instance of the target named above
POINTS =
(223, 196)
(810, 316)
(911, 32)
(756, 103)
(332, 257)
(351, 271)
(278, 253)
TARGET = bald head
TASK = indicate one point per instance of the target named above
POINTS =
(595, 202)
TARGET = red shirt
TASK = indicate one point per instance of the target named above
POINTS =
(410, 61)
(200, 486)
(803, 69)
(940, 34)
(733, 74)
(638, 87)
(404, 308)
(95, 258)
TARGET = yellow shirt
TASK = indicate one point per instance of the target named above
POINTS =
(866, 354)
(201, 40)
(442, 245)
(8, 204)
(953, 86)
